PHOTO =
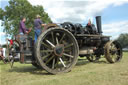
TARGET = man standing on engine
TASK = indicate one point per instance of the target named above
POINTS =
(23, 29)
(37, 25)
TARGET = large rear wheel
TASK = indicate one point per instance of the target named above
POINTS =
(57, 50)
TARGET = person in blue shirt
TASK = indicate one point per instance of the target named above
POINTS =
(37, 25)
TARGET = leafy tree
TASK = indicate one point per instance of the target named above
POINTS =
(123, 40)
(16, 9)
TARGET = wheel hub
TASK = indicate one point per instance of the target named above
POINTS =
(58, 50)
(113, 52)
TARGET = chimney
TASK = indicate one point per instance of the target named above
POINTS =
(98, 22)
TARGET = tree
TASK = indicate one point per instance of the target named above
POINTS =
(123, 40)
(16, 9)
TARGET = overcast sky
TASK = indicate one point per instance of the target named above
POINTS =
(114, 13)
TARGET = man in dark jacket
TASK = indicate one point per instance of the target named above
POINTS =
(23, 29)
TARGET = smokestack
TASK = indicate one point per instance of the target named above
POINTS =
(98, 22)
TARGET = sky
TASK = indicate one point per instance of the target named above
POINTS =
(114, 13)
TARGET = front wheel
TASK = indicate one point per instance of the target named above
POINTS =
(113, 51)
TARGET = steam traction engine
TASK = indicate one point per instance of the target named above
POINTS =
(59, 46)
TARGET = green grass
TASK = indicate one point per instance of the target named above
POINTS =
(84, 73)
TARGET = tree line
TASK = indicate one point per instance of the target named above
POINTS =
(123, 40)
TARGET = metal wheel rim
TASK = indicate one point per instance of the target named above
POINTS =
(59, 63)
(113, 51)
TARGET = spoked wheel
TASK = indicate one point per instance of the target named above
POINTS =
(56, 50)
(93, 58)
(113, 51)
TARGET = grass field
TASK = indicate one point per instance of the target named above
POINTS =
(84, 73)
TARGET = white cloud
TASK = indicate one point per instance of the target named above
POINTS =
(79, 11)
(75, 10)
(115, 28)
(2, 33)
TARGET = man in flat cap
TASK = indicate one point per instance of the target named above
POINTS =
(37, 25)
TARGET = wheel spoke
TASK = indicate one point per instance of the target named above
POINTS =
(45, 45)
(92, 57)
(46, 51)
(53, 63)
(50, 43)
(62, 62)
(115, 56)
(68, 55)
(62, 38)
(112, 46)
(50, 59)
(57, 61)
(69, 45)
(57, 42)
(52, 37)
(46, 56)
(118, 49)
(67, 50)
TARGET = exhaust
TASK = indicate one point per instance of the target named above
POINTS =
(98, 22)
